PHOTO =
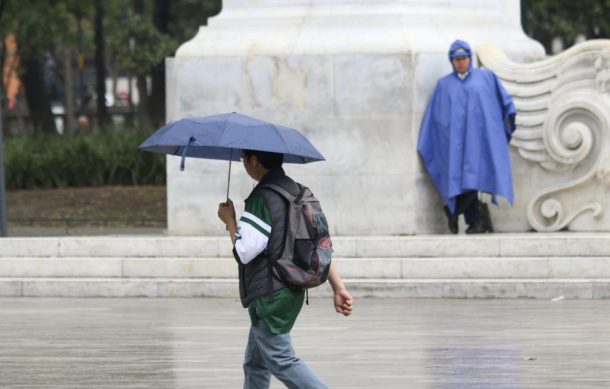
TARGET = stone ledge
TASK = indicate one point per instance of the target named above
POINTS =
(424, 246)
(117, 287)
(357, 268)
(378, 288)
(480, 288)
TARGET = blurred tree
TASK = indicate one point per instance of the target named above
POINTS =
(180, 20)
(38, 27)
(149, 33)
(161, 18)
(139, 46)
(100, 66)
(136, 34)
(545, 20)
(188, 15)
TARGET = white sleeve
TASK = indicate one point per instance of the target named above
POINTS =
(252, 237)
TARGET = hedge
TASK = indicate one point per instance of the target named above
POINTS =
(103, 157)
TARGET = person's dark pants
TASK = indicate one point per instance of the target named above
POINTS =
(476, 214)
(468, 204)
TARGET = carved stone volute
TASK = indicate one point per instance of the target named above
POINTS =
(563, 124)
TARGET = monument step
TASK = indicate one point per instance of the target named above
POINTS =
(454, 266)
(490, 245)
(379, 288)
(356, 268)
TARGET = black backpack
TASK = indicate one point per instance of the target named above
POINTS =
(306, 255)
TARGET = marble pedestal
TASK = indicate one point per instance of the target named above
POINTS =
(353, 76)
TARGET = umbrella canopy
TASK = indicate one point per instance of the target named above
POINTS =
(224, 136)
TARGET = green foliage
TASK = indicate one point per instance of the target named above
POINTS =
(545, 20)
(136, 42)
(139, 46)
(109, 157)
(38, 25)
(188, 15)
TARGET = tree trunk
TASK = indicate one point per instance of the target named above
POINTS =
(157, 95)
(143, 118)
(162, 15)
(36, 96)
(70, 107)
(138, 7)
(141, 85)
(113, 74)
(100, 66)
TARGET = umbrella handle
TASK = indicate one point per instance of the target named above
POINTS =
(228, 186)
(229, 180)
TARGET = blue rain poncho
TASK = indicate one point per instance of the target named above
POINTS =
(464, 136)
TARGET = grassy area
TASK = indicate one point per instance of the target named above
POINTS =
(106, 206)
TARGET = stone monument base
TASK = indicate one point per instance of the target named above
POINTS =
(354, 78)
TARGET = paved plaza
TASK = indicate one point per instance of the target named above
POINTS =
(386, 343)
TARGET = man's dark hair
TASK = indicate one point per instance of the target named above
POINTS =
(267, 159)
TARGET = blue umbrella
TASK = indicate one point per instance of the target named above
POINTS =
(224, 136)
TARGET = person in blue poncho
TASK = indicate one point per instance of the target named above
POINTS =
(464, 139)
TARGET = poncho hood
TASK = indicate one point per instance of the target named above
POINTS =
(460, 48)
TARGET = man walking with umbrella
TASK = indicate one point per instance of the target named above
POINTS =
(272, 305)
(259, 236)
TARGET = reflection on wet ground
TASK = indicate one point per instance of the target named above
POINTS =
(389, 343)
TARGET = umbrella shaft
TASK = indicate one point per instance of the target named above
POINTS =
(229, 180)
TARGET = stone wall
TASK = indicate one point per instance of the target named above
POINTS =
(353, 76)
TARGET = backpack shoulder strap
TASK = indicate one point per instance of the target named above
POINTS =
(284, 193)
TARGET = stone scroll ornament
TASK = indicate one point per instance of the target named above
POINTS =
(563, 124)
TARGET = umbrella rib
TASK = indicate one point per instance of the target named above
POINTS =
(282, 137)
(288, 151)
(224, 127)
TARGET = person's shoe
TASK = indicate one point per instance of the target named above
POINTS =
(476, 228)
(485, 217)
(452, 220)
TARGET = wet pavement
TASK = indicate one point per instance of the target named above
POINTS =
(199, 343)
